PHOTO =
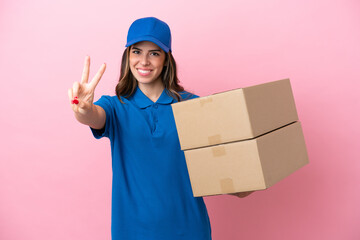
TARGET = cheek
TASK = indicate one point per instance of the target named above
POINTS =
(132, 61)
(160, 63)
(133, 71)
(159, 67)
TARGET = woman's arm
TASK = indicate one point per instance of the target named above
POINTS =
(94, 118)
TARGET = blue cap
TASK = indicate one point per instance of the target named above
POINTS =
(150, 29)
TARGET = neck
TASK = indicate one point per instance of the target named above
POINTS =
(152, 90)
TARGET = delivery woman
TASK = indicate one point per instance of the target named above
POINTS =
(151, 192)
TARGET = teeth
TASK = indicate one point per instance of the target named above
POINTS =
(143, 71)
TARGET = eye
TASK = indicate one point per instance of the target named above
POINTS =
(155, 54)
(136, 51)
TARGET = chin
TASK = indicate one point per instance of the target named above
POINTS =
(145, 81)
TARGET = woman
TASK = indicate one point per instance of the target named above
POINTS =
(151, 192)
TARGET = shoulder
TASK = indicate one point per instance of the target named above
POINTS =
(107, 99)
(185, 95)
(111, 103)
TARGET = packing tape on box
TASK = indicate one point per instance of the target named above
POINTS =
(227, 185)
(215, 139)
(218, 151)
(205, 100)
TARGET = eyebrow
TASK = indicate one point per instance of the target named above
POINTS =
(154, 50)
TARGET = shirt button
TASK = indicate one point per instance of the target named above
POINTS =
(156, 120)
(155, 106)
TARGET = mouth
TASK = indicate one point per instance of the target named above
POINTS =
(144, 72)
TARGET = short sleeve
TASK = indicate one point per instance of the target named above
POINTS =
(106, 103)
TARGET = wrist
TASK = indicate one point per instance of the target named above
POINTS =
(84, 115)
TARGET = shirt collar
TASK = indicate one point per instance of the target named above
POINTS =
(142, 101)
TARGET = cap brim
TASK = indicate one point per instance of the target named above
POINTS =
(148, 38)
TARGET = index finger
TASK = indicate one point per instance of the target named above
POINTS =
(85, 74)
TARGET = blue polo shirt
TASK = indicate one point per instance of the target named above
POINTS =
(152, 197)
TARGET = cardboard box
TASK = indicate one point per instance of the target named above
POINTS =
(241, 140)
(247, 165)
(234, 115)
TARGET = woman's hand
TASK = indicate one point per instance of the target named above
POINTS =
(241, 194)
(81, 95)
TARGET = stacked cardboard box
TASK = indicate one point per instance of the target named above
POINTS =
(241, 140)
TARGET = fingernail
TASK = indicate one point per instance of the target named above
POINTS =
(75, 101)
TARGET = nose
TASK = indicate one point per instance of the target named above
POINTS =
(145, 60)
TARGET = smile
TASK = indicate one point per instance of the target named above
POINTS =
(143, 72)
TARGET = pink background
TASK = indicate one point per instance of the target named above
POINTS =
(55, 178)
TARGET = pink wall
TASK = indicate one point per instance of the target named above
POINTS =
(55, 178)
